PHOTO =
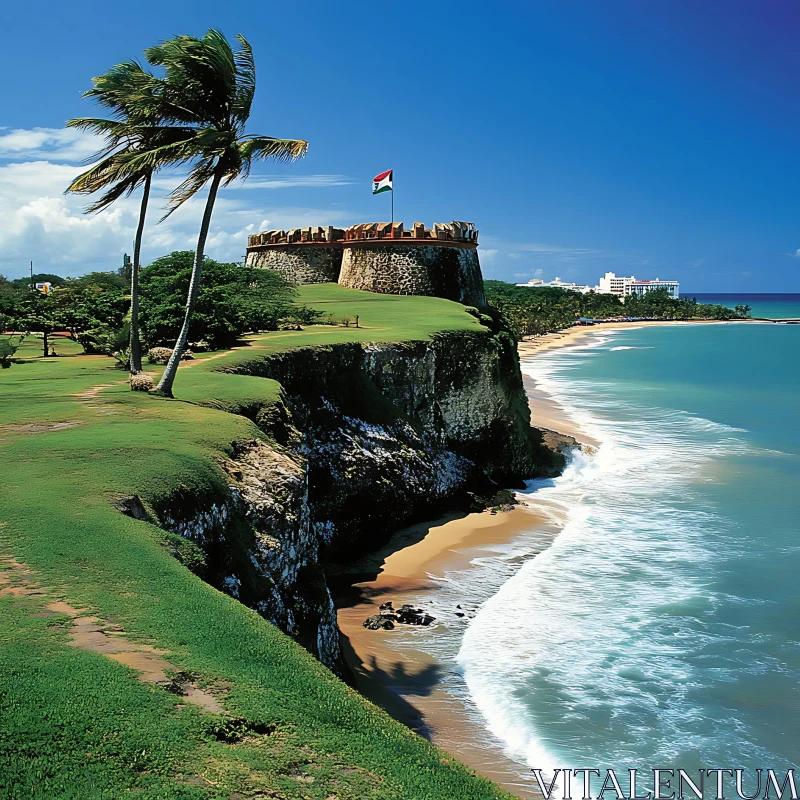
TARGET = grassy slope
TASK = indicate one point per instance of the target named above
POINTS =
(76, 724)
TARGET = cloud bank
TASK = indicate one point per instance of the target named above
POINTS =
(39, 223)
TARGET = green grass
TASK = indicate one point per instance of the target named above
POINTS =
(75, 724)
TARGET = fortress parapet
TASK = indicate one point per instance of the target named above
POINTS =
(302, 255)
(310, 235)
(383, 257)
(462, 232)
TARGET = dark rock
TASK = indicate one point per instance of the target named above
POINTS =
(377, 622)
(460, 613)
(414, 617)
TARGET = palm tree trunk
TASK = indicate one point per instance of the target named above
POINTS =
(168, 378)
(135, 344)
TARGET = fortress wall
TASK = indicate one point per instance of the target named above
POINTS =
(449, 271)
(300, 263)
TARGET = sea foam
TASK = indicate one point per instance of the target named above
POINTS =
(589, 650)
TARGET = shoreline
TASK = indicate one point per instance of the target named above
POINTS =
(388, 667)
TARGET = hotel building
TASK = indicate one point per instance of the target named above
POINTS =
(611, 283)
(559, 284)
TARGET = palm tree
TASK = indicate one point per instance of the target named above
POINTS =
(209, 85)
(137, 144)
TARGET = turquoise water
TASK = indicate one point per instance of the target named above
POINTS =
(768, 306)
(661, 628)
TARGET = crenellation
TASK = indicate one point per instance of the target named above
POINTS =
(442, 231)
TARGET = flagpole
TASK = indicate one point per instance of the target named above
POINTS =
(392, 198)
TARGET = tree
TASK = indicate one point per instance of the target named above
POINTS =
(137, 144)
(93, 309)
(209, 85)
(233, 300)
(38, 312)
(743, 310)
(38, 277)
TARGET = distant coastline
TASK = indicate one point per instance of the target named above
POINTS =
(764, 305)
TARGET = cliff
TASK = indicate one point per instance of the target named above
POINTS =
(224, 488)
(365, 439)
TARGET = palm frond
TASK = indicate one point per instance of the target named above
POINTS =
(123, 187)
(102, 127)
(136, 162)
(256, 148)
(201, 173)
(200, 75)
(245, 81)
(116, 135)
(129, 91)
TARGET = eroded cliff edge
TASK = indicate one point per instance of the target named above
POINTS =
(365, 439)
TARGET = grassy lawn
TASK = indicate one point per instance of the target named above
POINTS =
(76, 724)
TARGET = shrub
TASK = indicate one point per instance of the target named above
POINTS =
(142, 382)
(160, 355)
(123, 358)
(8, 347)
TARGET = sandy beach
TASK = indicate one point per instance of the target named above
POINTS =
(387, 666)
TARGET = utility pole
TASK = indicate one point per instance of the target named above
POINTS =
(32, 286)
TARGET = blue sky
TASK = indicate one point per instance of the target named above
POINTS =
(660, 138)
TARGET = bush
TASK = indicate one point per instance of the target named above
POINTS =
(123, 358)
(160, 355)
(141, 382)
(8, 347)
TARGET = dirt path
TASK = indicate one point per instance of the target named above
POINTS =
(100, 636)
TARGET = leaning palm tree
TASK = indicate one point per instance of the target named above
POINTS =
(137, 143)
(209, 85)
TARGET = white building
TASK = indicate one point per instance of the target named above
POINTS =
(558, 284)
(611, 283)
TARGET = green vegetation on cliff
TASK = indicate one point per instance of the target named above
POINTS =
(76, 723)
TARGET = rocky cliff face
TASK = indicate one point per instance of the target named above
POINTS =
(368, 438)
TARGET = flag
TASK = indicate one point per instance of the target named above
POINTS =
(382, 182)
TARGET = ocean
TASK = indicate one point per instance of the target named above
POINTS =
(766, 306)
(661, 626)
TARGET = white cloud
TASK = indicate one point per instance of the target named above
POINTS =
(167, 183)
(796, 254)
(38, 222)
(537, 247)
(63, 144)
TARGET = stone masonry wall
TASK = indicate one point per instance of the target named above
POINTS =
(300, 263)
(450, 272)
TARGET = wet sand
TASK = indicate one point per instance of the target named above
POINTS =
(405, 680)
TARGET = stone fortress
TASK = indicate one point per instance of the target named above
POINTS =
(381, 257)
